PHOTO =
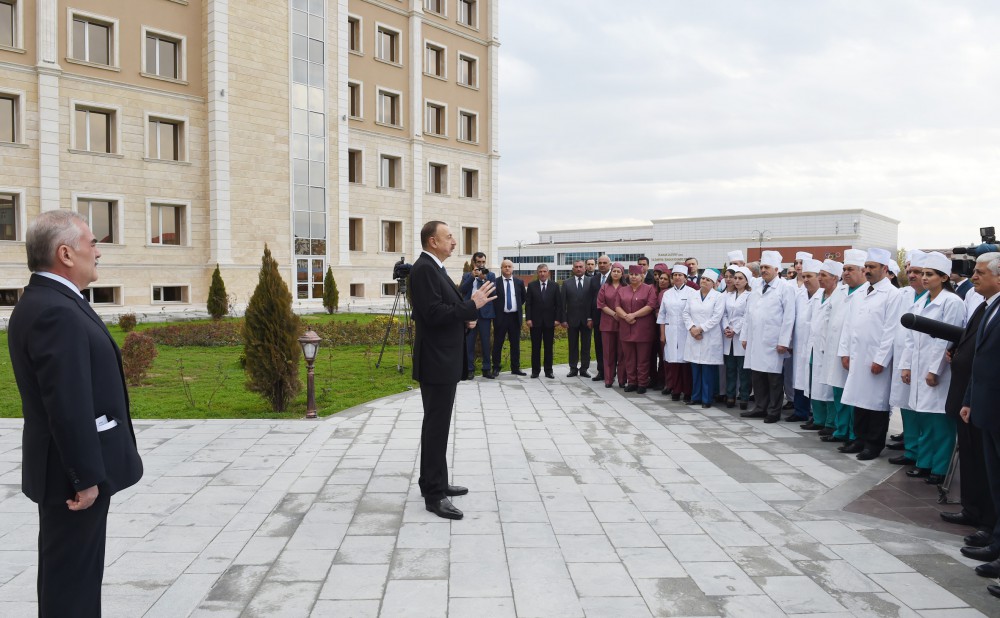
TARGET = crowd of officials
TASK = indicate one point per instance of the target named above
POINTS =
(820, 340)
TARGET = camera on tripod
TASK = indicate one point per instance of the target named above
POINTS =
(963, 259)
(401, 270)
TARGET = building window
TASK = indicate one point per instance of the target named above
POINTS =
(434, 60)
(103, 295)
(470, 240)
(164, 55)
(8, 23)
(437, 178)
(436, 119)
(165, 139)
(354, 42)
(9, 296)
(468, 71)
(392, 236)
(167, 224)
(435, 6)
(102, 217)
(387, 44)
(356, 234)
(357, 290)
(468, 13)
(95, 129)
(389, 172)
(10, 216)
(10, 113)
(569, 258)
(388, 108)
(354, 101)
(93, 40)
(389, 289)
(468, 127)
(355, 166)
(470, 183)
(170, 294)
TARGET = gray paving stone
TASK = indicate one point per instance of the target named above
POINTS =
(302, 565)
(479, 579)
(720, 578)
(602, 579)
(487, 608)
(419, 564)
(346, 609)
(355, 581)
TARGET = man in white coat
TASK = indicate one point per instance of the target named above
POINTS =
(801, 352)
(767, 337)
(866, 352)
(899, 392)
(833, 372)
(821, 395)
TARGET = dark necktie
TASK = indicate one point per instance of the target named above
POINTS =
(444, 271)
(871, 288)
(543, 288)
(764, 291)
(604, 279)
(510, 301)
(579, 283)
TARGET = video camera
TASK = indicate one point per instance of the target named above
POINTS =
(482, 270)
(963, 259)
(401, 270)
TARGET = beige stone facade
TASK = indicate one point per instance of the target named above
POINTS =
(193, 132)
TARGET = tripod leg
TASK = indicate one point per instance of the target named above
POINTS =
(948, 478)
(388, 329)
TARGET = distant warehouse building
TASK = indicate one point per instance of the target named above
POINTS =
(824, 233)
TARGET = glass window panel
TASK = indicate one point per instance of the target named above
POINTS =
(302, 270)
(154, 225)
(301, 246)
(300, 46)
(301, 225)
(315, 124)
(170, 230)
(300, 121)
(317, 149)
(79, 39)
(300, 71)
(317, 174)
(300, 173)
(316, 200)
(153, 152)
(319, 248)
(169, 144)
(7, 24)
(102, 221)
(303, 291)
(81, 129)
(315, 99)
(316, 75)
(99, 43)
(300, 96)
(151, 54)
(300, 23)
(318, 226)
(301, 197)
(315, 27)
(315, 51)
(8, 218)
(300, 147)
(168, 59)
(8, 119)
(316, 7)
(99, 141)
(301, 5)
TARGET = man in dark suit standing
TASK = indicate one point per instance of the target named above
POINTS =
(78, 446)
(647, 275)
(961, 283)
(600, 278)
(472, 281)
(441, 318)
(507, 324)
(576, 301)
(542, 309)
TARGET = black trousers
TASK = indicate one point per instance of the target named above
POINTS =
(598, 349)
(579, 347)
(991, 455)
(438, 400)
(769, 394)
(976, 501)
(71, 558)
(507, 326)
(871, 427)
(541, 335)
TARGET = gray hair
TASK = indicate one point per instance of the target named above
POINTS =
(754, 268)
(47, 232)
(992, 261)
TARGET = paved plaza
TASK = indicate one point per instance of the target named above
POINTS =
(584, 501)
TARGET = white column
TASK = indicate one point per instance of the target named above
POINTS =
(417, 171)
(47, 34)
(494, 145)
(339, 108)
(220, 223)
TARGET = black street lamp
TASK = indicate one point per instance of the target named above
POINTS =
(760, 237)
(310, 347)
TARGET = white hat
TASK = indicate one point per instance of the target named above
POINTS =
(879, 256)
(918, 259)
(810, 265)
(913, 253)
(710, 273)
(679, 268)
(735, 256)
(746, 272)
(803, 255)
(855, 257)
(770, 258)
(937, 261)
(834, 268)
(894, 267)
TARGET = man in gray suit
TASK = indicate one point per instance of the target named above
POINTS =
(576, 292)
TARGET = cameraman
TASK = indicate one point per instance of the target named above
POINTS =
(472, 281)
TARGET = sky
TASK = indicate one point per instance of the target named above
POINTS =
(615, 113)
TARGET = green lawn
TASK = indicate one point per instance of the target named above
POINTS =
(202, 382)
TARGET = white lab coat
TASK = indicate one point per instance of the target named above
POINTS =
(800, 338)
(833, 372)
(769, 323)
(819, 332)
(705, 313)
(925, 354)
(899, 393)
(734, 317)
(868, 339)
(972, 301)
(671, 316)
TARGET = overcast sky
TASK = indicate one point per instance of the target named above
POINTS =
(615, 113)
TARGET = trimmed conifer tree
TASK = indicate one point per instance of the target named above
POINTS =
(270, 344)
(331, 297)
(218, 301)
(467, 267)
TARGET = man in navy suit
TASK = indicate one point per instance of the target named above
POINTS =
(78, 445)
(542, 309)
(981, 406)
(471, 282)
(441, 317)
(507, 324)
(961, 283)
(599, 279)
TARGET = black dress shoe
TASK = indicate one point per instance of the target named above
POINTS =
(444, 508)
(832, 438)
(687, 400)
(630, 388)
(788, 406)
(518, 372)
(469, 376)
(641, 390)
(793, 419)
(918, 473)
(584, 374)
(902, 460)
(961, 518)
(550, 375)
(826, 431)
(810, 426)
(489, 375)
(990, 569)
(608, 385)
(896, 437)
(994, 590)
(980, 538)
(743, 405)
(706, 405)
(667, 391)
(934, 479)
(598, 378)
(534, 374)
(851, 448)
(984, 554)
(896, 446)
(456, 490)
(496, 373)
(572, 373)
(866, 455)
(730, 403)
(772, 419)
(675, 397)
(753, 414)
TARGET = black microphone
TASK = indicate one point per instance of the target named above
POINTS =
(934, 328)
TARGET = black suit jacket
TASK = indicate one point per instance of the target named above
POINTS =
(500, 304)
(962, 355)
(595, 289)
(543, 311)
(576, 302)
(69, 372)
(439, 315)
(963, 289)
(983, 393)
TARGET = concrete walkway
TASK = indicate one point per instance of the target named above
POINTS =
(584, 502)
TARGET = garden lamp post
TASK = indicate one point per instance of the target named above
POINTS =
(760, 237)
(310, 347)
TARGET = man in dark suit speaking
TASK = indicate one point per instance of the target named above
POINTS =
(442, 318)
(78, 446)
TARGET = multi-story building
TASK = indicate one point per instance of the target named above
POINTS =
(191, 132)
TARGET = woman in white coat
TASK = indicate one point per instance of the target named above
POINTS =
(732, 351)
(703, 349)
(924, 367)
(673, 336)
